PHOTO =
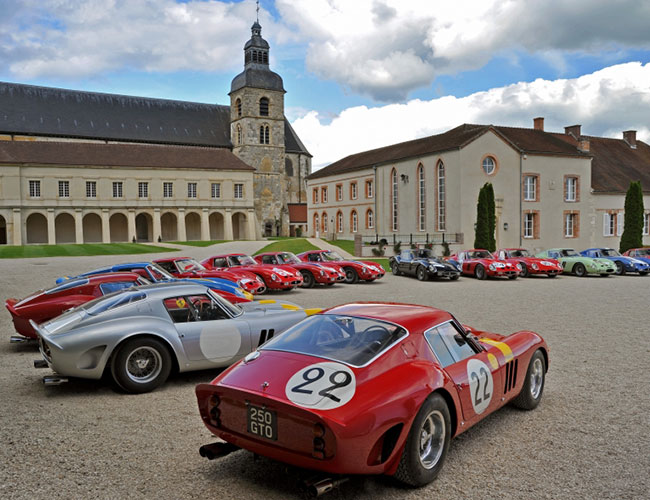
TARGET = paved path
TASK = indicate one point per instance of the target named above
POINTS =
(328, 246)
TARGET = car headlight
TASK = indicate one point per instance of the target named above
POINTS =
(432, 267)
(322, 273)
(492, 267)
(274, 277)
(518, 266)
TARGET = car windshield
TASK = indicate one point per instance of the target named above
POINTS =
(425, 253)
(480, 254)
(331, 256)
(241, 260)
(610, 252)
(158, 273)
(568, 252)
(520, 252)
(184, 265)
(643, 251)
(348, 339)
(233, 309)
(288, 258)
(111, 301)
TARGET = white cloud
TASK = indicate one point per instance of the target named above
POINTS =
(605, 103)
(387, 48)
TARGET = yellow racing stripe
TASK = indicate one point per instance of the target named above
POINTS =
(267, 301)
(493, 361)
(502, 346)
(313, 310)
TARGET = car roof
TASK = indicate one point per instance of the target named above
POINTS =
(180, 288)
(118, 276)
(411, 316)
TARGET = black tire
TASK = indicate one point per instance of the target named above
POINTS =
(552, 275)
(579, 270)
(533, 388)
(395, 269)
(454, 277)
(524, 270)
(421, 462)
(479, 272)
(643, 273)
(330, 284)
(620, 268)
(604, 275)
(141, 365)
(266, 285)
(512, 277)
(421, 273)
(351, 276)
(307, 279)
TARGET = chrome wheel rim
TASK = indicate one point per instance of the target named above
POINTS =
(349, 275)
(536, 378)
(432, 439)
(143, 365)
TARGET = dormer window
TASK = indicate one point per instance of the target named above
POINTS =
(264, 106)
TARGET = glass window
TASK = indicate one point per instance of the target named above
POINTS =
(315, 195)
(339, 222)
(143, 189)
(91, 189)
(448, 344)
(421, 199)
(529, 225)
(264, 106)
(191, 189)
(489, 165)
(168, 189)
(370, 223)
(369, 189)
(354, 221)
(569, 225)
(646, 224)
(571, 188)
(216, 190)
(238, 106)
(530, 188)
(264, 134)
(115, 286)
(339, 192)
(64, 189)
(609, 224)
(394, 200)
(117, 190)
(34, 189)
(111, 301)
(239, 191)
(353, 191)
(323, 194)
(441, 197)
(190, 308)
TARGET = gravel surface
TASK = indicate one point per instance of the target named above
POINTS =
(588, 438)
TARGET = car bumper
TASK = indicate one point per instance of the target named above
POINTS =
(21, 324)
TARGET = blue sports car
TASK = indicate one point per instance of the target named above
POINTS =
(623, 263)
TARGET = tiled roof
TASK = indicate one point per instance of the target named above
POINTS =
(118, 155)
(616, 164)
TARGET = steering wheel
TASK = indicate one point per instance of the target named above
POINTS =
(373, 336)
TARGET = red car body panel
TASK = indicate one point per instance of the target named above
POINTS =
(246, 280)
(44, 305)
(286, 277)
(493, 267)
(389, 392)
(359, 266)
(329, 274)
(534, 265)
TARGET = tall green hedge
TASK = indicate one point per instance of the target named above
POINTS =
(481, 231)
(632, 236)
(489, 190)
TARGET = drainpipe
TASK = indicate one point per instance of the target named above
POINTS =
(522, 156)
(375, 219)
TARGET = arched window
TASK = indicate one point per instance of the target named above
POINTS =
(238, 134)
(264, 106)
(354, 223)
(254, 56)
(393, 199)
(288, 167)
(339, 222)
(316, 223)
(489, 165)
(370, 222)
(238, 106)
(264, 134)
(421, 199)
(440, 194)
(324, 222)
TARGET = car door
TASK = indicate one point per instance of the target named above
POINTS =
(405, 262)
(476, 375)
(207, 330)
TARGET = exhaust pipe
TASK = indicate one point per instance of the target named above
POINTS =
(40, 363)
(217, 450)
(54, 380)
(323, 486)
(18, 339)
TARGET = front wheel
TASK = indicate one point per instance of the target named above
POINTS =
(454, 277)
(427, 443)
(524, 271)
(620, 268)
(421, 273)
(643, 273)
(395, 269)
(307, 279)
(351, 276)
(479, 272)
(531, 392)
(552, 275)
(579, 270)
(141, 364)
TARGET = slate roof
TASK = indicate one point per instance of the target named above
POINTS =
(118, 155)
(616, 164)
(292, 143)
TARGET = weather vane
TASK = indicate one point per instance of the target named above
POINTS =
(258, 10)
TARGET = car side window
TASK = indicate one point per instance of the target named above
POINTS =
(168, 266)
(268, 259)
(406, 255)
(448, 345)
(115, 286)
(194, 308)
(554, 255)
(219, 262)
(314, 257)
(502, 254)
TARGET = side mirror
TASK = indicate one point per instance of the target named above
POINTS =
(459, 339)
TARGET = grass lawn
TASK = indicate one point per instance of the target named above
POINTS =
(197, 243)
(72, 250)
(295, 245)
(382, 261)
(347, 245)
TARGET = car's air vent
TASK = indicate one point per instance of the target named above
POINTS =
(511, 376)
(265, 335)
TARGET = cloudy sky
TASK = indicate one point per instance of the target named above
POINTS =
(359, 74)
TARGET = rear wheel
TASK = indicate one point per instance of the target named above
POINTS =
(427, 443)
(579, 270)
(351, 275)
(643, 273)
(531, 392)
(141, 364)
(307, 279)
(524, 271)
(479, 272)
(421, 273)
(395, 269)
(620, 268)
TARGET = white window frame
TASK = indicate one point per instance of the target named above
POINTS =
(91, 189)
(191, 189)
(354, 191)
(238, 191)
(339, 222)
(442, 217)
(215, 190)
(609, 224)
(569, 225)
(620, 218)
(369, 188)
(64, 189)
(168, 189)
(529, 225)
(323, 194)
(489, 163)
(34, 189)
(421, 199)
(339, 192)
(394, 207)
(646, 224)
(355, 222)
(571, 189)
(118, 189)
(370, 217)
(530, 188)
(143, 190)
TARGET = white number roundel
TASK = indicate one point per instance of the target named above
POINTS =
(481, 385)
(321, 386)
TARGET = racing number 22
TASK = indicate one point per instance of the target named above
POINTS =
(486, 395)
(318, 373)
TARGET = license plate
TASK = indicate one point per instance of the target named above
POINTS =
(262, 422)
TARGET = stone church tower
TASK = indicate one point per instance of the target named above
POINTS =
(257, 128)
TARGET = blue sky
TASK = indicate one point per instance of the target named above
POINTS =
(358, 74)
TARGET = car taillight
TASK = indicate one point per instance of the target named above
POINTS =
(213, 410)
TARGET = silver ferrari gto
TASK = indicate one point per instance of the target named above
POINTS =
(142, 334)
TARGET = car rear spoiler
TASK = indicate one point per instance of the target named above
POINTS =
(41, 334)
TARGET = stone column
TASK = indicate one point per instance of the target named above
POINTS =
(205, 225)
(157, 231)
(51, 228)
(227, 225)
(182, 233)
(78, 226)
(131, 224)
(252, 224)
(106, 226)
(18, 227)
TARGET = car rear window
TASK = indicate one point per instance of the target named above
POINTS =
(349, 339)
(108, 302)
(68, 284)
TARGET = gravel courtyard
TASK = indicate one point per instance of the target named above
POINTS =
(589, 438)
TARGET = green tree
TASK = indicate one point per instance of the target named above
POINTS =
(632, 236)
(492, 221)
(481, 232)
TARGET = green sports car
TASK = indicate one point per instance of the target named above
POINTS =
(574, 263)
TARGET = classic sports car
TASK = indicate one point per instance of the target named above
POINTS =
(574, 263)
(274, 277)
(623, 263)
(312, 272)
(354, 270)
(139, 336)
(186, 267)
(482, 264)
(47, 304)
(639, 253)
(422, 264)
(370, 388)
(529, 263)
(156, 274)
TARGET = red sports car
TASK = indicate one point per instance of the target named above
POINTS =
(370, 388)
(529, 263)
(312, 272)
(274, 277)
(185, 267)
(354, 270)
(482, 264)
(44, 305)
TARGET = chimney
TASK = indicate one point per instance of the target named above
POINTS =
(538, 123)
(629, 136)
(583, 145)
(573, 130)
